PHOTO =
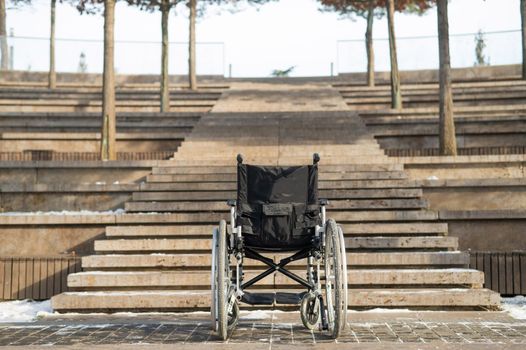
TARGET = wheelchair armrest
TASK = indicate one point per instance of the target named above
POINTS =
(324, 201)
(231, 202)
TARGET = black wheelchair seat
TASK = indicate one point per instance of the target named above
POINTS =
(277, 207)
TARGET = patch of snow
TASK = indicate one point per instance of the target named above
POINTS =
(432, 177)
(23, 310)
(256, 315)
(64, 212)
(378, 309)
(515, 306)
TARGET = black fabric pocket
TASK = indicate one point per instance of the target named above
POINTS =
(276, 222)
(250, 222)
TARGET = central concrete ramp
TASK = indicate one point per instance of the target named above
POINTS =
(280, 124)
(398, 252)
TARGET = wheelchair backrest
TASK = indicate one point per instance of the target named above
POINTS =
(277, 206)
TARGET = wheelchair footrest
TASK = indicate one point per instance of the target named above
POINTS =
(258, 298)
(289, 298)
(269, 298)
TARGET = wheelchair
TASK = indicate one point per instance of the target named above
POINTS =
(278, 210)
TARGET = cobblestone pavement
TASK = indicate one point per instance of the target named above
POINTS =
(278, 329)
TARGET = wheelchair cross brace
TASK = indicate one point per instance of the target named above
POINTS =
(279, 267)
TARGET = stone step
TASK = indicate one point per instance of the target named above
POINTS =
(356, 99)
(57, 103)
(114, 301)
(400, 277)
(403, 229)
(412, 259)
(323, 168)
(432, 93)
(135, 301)
(132, 280)
(323, 176)
(214, 217)
(221, 206)
(192, 160)
(448, 243)
(427, 259)
(329, 194)
(322, 185)
(381, 215)
(369, 229)
(225, 149)
(431, 129)
(201, 279)
(424, 298)
(15, 106)
(152, 245)
(166, 245)
(156, 230)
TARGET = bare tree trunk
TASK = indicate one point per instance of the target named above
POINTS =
(4, 51)
(107, 149)
(191, 46)
(448, 143)
(396, 93)
(523, 26)
(165, 84)
(52, 79)
(369, 44)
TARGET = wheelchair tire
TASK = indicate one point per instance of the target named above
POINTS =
(213, 280)
(223, 282)
(334, 298)
(344, 274)
(310, 311)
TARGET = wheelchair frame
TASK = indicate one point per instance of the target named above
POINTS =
(322, 310)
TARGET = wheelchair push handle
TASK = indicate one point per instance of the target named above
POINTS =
(315, 158)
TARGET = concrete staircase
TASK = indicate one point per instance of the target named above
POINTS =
(399, 254)
(489, 117)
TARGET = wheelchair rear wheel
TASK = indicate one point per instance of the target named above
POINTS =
(223, 281)
(344, 274)
(213, 279)
(334, 297)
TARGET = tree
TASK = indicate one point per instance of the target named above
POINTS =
(52, 77)
(4, 51)
(192, 79)
(407, 6)
(480, 45)
(367, 9)
(523, 27)
(108, 131)
(3, 38)
(164, 6)
(396, 92)
(448, 143)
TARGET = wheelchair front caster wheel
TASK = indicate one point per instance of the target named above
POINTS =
(233, 316)
(310, 311)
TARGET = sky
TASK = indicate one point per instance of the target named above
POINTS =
(253, 41)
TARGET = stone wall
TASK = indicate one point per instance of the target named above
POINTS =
(431, 75)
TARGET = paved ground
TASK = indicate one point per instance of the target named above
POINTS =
(264, 330)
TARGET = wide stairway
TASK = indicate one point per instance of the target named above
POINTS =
(63, 124)
(399, 254)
